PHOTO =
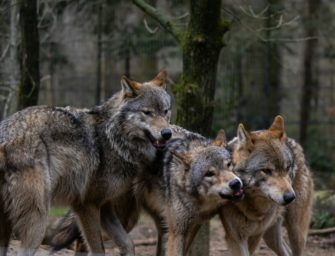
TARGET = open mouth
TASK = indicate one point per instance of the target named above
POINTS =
(159, 144)
(237, 195)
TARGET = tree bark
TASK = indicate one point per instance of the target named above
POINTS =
(29, 55)
(309, 82)
(201, 43)
(201, 48)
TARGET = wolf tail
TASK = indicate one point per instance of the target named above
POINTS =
(66, 233)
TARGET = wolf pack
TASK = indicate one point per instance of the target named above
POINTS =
(110, 163)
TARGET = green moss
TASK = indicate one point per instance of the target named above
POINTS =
(58, 212)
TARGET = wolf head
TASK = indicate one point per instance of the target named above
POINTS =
(139, 115)
(207, 171)
(263, 160)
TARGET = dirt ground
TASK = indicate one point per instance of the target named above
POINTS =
(144, 233)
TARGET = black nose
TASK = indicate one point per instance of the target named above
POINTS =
(166, 133)
(235, 184)
(288, 197)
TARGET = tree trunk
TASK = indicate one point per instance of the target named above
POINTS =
(272, 65)
(99, 53)
(309, 84)
(201, 49)
(201, 44)
(29, 55)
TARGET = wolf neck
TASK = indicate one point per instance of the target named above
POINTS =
(255, 206)
(122, 145)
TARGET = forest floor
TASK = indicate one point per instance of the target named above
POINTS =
(144, 236)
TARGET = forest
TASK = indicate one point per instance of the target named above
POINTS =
(228, 62)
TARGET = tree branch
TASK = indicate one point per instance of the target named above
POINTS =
(163, 20)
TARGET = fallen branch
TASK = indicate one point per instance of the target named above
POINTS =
(145, 242)
(323, 231)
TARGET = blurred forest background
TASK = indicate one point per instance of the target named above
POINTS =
(278, 58)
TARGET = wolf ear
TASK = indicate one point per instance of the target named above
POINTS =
(160, 79)
(277, 127)
(243, 136)
(220, 139)
(186, 158)
(130, 87)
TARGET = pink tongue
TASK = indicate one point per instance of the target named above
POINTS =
(238, 193)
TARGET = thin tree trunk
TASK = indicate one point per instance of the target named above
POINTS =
(29, 55)
(14, 77)
(272, 66)
(99, 51)
(308, 75)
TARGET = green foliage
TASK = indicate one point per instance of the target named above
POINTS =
(319, 155)
(58, 212)
(324, 210)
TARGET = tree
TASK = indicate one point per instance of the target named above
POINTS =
(309, 80)
(29, 55)
(201, 43)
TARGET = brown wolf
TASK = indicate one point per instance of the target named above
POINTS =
(82, 158)
(274, 174)
(194, 179)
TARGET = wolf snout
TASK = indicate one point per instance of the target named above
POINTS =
(235, 184)
(166, 133)
(288, 197)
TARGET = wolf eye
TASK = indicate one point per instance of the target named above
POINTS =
(147, 112)
(268, 172)
(166, 112)
(229, 164)
(210, 173)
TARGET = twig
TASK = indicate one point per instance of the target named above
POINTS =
(150, 30)
(323, 231)
(145, 242)
(163, 20)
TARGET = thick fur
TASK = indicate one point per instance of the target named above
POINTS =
(274, 172)
(85, 159)
(179, 173)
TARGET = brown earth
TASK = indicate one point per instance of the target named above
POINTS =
(144, 233)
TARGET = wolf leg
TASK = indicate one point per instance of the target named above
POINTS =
(253, 243)
(89, 222)
(112, 226)
(5, 230)
(190, 235)
(297, 224)
(274, 239)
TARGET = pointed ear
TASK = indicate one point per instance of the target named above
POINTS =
(220, 139)
(186, 158)
(160, 79)
(243, 136)
(130, 88)
(277, 127)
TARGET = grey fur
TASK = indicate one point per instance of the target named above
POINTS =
(82, 158)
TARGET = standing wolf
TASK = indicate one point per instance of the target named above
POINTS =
(274, 174)
(193, 179)
(84, 159)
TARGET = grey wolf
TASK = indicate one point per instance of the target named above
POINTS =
(85, 159)
(278, 188)
(193, 178)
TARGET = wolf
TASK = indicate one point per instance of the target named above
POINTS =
(193, 180)
(199, 181)
(84, 159)
(278, 187)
